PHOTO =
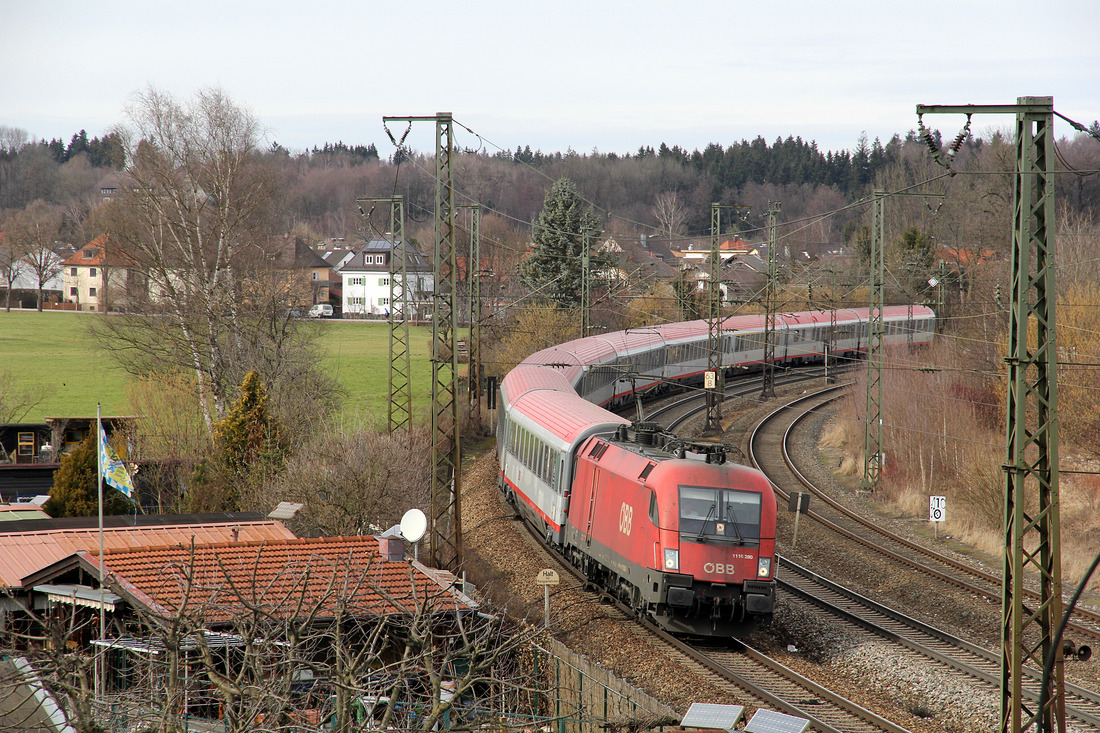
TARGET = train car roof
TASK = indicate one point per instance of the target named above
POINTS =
(567, 416)
(902, 311)
(571, 356)
(527, 377)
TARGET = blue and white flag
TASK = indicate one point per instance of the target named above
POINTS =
(114, 471)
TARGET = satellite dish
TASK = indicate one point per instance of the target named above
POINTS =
(413, 525)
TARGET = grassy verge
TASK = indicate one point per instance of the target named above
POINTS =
(56, 354)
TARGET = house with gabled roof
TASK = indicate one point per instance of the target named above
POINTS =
(27, 547)
(98, 274)
(365, 280)
(239, 628)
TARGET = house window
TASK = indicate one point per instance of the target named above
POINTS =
(383, 281)
(356, 280)
(383, 301)
(355, 301)
(91, 273)
(314, 276)
(26, 444)
(72, 292)
(72, 271)
(91, 292)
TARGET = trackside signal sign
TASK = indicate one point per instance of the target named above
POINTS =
(937, 508)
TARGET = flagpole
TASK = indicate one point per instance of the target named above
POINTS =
(99, 479)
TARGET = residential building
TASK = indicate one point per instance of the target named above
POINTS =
(98, 276)
(228, 597)
(365, 278)
(308, 274)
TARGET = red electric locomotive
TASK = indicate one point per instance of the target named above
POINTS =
(674, 530)
(668, 525)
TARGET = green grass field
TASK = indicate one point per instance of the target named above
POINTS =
(56, 353)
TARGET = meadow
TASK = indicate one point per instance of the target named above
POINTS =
(55, 352)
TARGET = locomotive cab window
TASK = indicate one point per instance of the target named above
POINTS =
(719, 515)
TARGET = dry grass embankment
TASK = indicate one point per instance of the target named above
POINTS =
(943, 434)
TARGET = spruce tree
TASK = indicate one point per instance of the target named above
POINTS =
(249, 449)
(75, 491)
(553, 270)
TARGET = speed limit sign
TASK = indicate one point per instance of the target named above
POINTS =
(937, 508)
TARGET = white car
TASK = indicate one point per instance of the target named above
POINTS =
(321, 310)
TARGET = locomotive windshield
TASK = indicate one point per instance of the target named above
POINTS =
(709, 514)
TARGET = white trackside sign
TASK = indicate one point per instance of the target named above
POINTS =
(937, 508)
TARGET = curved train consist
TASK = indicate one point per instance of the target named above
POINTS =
(666, 524)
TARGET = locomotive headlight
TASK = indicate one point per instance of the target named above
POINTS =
(672, 560)
(763, 567)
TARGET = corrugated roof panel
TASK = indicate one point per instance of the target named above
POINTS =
(24, 553)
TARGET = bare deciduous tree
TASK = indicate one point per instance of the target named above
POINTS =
(34, 231)
(11, 256)
(198, 221)
(670, 213)
(354, 480)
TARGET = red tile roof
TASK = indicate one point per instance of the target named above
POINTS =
(287, 577)
(24, 553)
(95, 254)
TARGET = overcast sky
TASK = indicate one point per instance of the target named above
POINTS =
(553, 75)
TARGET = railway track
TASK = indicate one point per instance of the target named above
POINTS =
(916, 639)
(753, 678)
(770, 451)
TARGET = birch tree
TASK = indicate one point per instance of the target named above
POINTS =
(198, 220)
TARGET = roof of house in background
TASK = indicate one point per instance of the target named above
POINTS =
(289, 577)
(296, 254)
(415, 261)
(27, 547)
(636, 260)
(96, 253)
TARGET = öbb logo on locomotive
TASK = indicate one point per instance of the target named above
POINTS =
(693, 543)
(626, 516)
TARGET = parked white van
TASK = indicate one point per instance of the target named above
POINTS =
(321, 310)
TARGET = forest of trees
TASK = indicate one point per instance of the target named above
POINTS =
(664, 192)
(320, 185)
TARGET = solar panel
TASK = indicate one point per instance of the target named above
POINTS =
(769, 721)
(709, 715)
(285, 510)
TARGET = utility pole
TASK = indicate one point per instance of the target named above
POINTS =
(1032, 540)
(399, 412)
(445, 546)
(872, 428)
(770, 298)
(876, 330)
(474, 276)
(586, 282)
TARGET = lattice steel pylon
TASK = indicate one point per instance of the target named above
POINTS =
(713, 425)
(767, 391)
(872, 428)
(473, 275)
(399, 411)
(1032, 540)
(715, 384)
(586, 283)
(445, 545)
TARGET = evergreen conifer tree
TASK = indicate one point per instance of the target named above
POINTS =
(75, 491)
(555, 266)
